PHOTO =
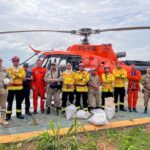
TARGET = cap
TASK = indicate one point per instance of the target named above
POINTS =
(119, 62)
(25, 65)
(106, 66)
(81, 64)
(92, 69)
(15, 58)
(53, 63)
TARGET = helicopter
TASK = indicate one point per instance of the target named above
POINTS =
(91, 55)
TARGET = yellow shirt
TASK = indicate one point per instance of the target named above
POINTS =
(107, 82)
(81, 81)
(17, 74)
(120, 77)
(68, 81)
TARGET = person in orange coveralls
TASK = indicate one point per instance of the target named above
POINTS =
(133, 87)
(38, 85)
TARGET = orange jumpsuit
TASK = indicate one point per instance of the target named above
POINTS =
(133, 87)
(38, 86)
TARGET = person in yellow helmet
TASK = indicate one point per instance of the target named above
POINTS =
(68, 81)
(107, 84)
(120, 75)
(81, 82)
(15, 88)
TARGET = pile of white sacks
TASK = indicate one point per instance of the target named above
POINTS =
(97, 116)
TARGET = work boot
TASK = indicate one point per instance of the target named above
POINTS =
(28, 113)
(145, 110)
(35, 112)
(134, 110)
(116, 108)
(90, 109)
(58, 111)
(123, 109)
(42, 111)
(48, 110)
(3, 121)
(8, 117)
(130, 110)
(20, 116)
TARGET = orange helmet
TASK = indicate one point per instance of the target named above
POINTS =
(15, 58)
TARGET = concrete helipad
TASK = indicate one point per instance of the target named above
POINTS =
(39, 122)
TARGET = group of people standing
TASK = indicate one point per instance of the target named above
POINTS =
(74, 86)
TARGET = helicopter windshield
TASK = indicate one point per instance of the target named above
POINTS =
(32, 60)
(61, 61)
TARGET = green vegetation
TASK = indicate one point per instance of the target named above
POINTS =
(69, 141)
(121, 139)
(131, 139)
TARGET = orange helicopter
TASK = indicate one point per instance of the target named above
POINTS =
(92, 56)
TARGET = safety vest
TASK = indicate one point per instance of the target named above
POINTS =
(81, 81)
(17, 74)
(107, 82)
(120, 77)
(68, 81)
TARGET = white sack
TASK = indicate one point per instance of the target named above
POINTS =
(95, 111)
(81, 114)
(110, 112)
(70, 111)
(98, 119)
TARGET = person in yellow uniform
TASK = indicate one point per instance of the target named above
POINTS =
(120, 75)
(107, 84)
(67, 86)
(15, 88)
(81, 83)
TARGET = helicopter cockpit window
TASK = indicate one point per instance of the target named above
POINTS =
(61, 61)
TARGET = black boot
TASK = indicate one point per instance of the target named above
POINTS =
(42, 111)
(35, 112)
(58, 111)
(116, 108)
(145, 110)
(134, 110)
(20, 116)
(8, 117)
(48, 110)
(90, 109)
(130, 110)
(28, 112)
(122, 109)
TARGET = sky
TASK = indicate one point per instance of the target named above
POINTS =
(73, 15)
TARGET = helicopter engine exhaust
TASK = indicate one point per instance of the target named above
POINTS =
(120, 54)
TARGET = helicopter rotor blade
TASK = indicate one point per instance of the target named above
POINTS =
(21, 31)
(125, 29)
(83, 31)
